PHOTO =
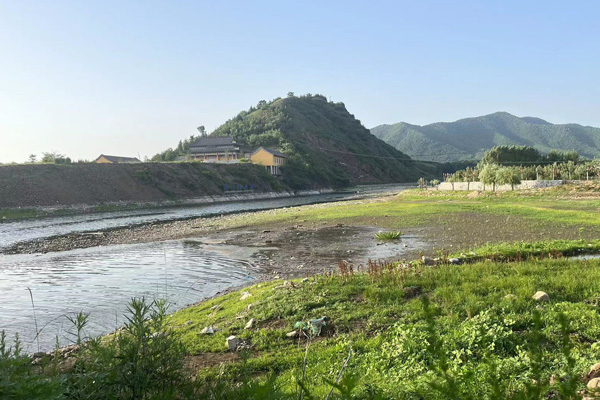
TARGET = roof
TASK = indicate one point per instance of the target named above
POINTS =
(119, 159)
(274, 152)
(214, 144)
(213, 141)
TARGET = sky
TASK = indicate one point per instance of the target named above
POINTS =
(132, 78)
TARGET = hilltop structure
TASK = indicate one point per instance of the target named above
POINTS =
(217, 150)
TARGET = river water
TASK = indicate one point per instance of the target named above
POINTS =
(31, 229)
(100, 281)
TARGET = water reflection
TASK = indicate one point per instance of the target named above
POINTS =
(101, 281)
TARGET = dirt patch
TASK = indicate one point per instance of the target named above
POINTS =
(274, 324)
(466, 230)
(299, 250)
(205, 360)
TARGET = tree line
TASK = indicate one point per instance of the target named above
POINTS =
(509, 165)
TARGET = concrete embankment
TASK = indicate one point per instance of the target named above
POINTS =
(30, 186)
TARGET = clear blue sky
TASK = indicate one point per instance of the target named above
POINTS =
(135, 77)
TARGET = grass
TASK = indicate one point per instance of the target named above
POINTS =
(12, 213)
(388, 236)
(547, 211)
(481, 311)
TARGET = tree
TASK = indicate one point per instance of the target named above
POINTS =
(202, 130)
(487, 175)
(508, 176)
(290, 94)
(51, 157)
(511, 155)
(32, 158)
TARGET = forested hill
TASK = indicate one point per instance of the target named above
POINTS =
(470, 138)
(326, 145)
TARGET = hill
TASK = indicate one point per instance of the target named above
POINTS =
(73, 184)
(470, 138)
(327, 146)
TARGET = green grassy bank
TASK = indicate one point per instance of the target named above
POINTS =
(419, 332)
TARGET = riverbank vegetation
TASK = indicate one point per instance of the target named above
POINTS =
(392, 331)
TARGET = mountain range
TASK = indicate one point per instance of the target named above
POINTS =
(470, 138)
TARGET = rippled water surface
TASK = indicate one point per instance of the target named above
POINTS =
(101, 281)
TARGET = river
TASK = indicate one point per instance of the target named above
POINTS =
(100, 281)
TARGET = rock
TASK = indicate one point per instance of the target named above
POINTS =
(594, 371)
(454, 261)
(232, 343)
(189, 322)
(594, 384)
(292, 334)
(510, 296)
(427, 260)
(245, 295)
(209, 330)
(39, 354)
(304, 280)
(541, 296)
(250, 324)
(249, 306)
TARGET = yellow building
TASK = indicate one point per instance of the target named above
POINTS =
(271, 159)
(115, 160)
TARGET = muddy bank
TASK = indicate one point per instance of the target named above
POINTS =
(310, 248)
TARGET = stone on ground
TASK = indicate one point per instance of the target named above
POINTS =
(232, 343)
(245, 295)
(541, 296)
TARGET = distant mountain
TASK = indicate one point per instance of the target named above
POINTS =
(469, 138)
(326, 145)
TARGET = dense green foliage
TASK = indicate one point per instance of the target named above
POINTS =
(512, 164)
(524, 155)
(469, 138)
(326, 145)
